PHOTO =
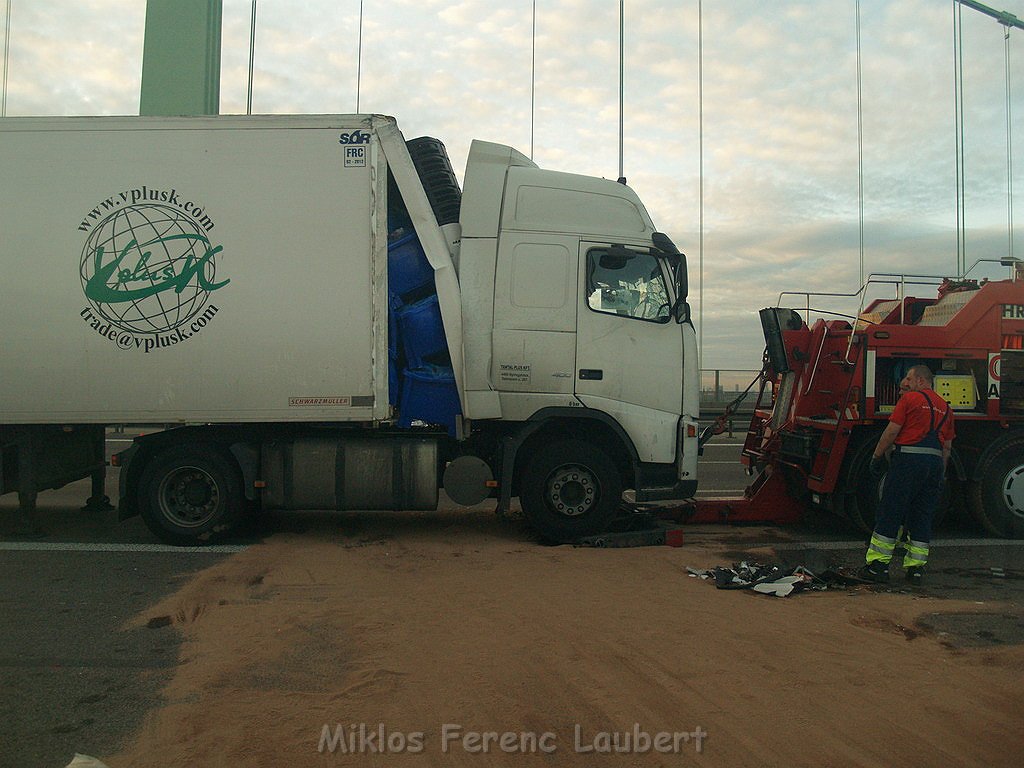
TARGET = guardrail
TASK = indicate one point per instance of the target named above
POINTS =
(738, 421)
(719, 388)
(724, 384)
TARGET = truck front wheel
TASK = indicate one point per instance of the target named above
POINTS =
(189, 494)
(570, 489)
(997, 495)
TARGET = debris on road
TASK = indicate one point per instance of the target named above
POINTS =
(85, 761)
(777, 580)
(636, 527)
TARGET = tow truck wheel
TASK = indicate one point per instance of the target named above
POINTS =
(997, 496)
(189, 494)
(570, 489)
(863, 491)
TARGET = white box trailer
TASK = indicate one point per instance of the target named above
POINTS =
(230, 276)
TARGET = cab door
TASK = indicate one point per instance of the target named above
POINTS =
(629, 350)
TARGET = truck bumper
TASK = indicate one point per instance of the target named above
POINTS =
(670, 482)
(659, 482)
(684, 489)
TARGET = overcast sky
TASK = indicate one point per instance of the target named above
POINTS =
(780, 115)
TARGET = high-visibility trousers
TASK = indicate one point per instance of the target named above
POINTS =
(913, 489)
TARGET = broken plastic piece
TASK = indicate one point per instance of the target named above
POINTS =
(85, 761)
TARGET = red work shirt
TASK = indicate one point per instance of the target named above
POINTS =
(913, 415)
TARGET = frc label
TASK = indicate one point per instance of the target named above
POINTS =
(355, 157)
(148, 269)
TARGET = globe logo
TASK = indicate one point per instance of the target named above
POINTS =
(149, 268)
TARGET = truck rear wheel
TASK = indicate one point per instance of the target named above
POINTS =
(862, 491)
(570, 489)
(190, 494)
(997, 495)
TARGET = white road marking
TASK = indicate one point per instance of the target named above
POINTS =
(863, 544)
(39, 546)
(61, 546)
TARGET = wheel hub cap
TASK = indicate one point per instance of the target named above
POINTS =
(1013, 490)
(189, 496)
(572, 491)
(196, 492)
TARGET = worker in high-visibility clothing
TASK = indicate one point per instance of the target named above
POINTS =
(921, 433)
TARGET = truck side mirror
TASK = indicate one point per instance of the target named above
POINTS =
(682, 312)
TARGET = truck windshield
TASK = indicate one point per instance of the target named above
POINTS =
(627, 283)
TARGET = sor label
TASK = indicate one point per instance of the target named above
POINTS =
(356, 137)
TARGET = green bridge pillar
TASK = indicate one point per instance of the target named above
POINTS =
(181, 58)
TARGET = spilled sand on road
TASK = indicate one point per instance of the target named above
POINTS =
(423, 621)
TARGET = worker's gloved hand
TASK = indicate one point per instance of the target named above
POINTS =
(879, 466)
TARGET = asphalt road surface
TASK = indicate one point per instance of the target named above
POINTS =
(76, 677)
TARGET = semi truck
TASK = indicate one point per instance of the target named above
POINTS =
(830, 383)
(320, 318)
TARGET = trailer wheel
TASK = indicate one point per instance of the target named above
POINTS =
(570, 489)
(997, 496)
(191, 494)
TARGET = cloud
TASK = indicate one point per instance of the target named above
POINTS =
(75, 58)
(780, 134)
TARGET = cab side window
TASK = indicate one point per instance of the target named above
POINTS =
(626, 283)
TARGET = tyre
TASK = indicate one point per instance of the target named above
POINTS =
(191, 494)
(996, 496)
(862, 491)
(570, 489)
(438, 178)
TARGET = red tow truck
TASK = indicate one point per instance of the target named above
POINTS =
(828, 387)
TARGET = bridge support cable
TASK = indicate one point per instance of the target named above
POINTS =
(1009, 146)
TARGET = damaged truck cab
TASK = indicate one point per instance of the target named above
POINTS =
(587, 345)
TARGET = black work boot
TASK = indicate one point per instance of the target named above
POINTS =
(877, 572)
(915, 575)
